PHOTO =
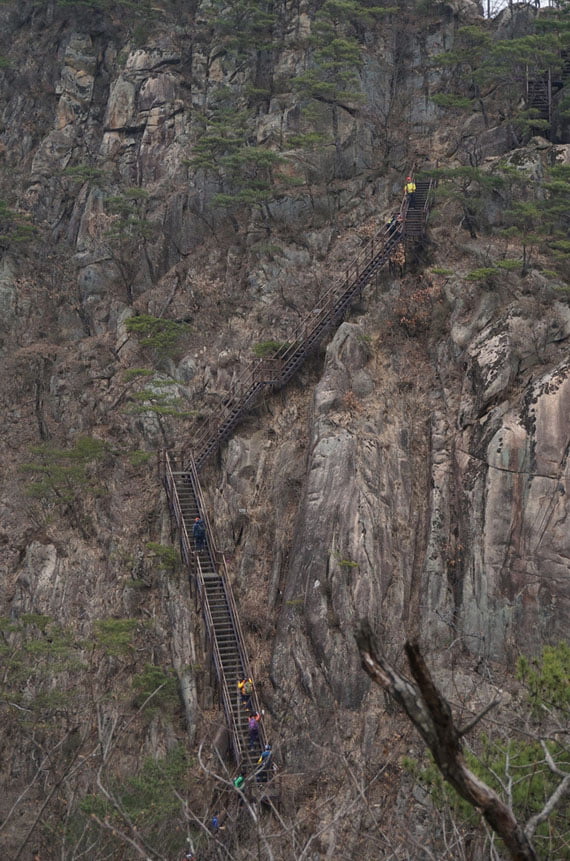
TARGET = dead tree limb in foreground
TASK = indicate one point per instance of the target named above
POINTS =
(431, 715)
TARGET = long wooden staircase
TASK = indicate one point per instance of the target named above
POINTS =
(207, 566)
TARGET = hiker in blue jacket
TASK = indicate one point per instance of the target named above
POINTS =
(264, 765)
(199, 534)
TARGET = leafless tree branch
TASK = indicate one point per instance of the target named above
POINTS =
(561, 790)
(474, 721)
(431, 715)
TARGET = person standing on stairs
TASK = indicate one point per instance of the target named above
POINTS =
(245, 688)
(217, 823)
(199, 534)
(264, 765)
(239, 781)
(253, 727)
(393, 224)
(410, 190)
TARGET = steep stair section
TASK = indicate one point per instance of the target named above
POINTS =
(219, 428)
(416, 215)
(206, 565)
(323, 320)
(538, 97)
(276, 371)
(218, 607)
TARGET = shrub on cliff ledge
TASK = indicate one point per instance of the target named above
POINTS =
(548, 677)
(156, 690)
(64, 478)
(145, 810)
(162, 336)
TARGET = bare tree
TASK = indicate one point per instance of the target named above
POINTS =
(431, 714)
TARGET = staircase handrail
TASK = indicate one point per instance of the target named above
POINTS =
(238, 392)
(174, 501)
(419, 220)
(336, 291)
(232, 606)
(192, 473)
(189, 558)
(431, 185)
(334, 302)
(220, 561)
(306, 336)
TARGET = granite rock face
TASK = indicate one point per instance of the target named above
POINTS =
(450, 523)
(516, 577)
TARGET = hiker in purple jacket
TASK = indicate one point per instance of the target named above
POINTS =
(253, 726)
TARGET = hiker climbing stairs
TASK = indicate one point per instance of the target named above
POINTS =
(416, 214)
(276, 371)
(223, 631)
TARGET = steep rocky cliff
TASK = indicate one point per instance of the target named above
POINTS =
(414, 473)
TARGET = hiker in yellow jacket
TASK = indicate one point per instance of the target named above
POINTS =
(410, 190)
(245, 688)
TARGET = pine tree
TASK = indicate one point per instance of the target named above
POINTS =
(542, 221)
(501, 76)
(333, 78)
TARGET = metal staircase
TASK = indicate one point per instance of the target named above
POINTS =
(207, 566)
(539, 97)
(542, 87)
(217, 604)
(275, 372)
(417, 214)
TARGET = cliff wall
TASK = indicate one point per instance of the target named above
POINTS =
(415, 473)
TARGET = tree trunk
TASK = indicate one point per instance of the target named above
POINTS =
(431, 715)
